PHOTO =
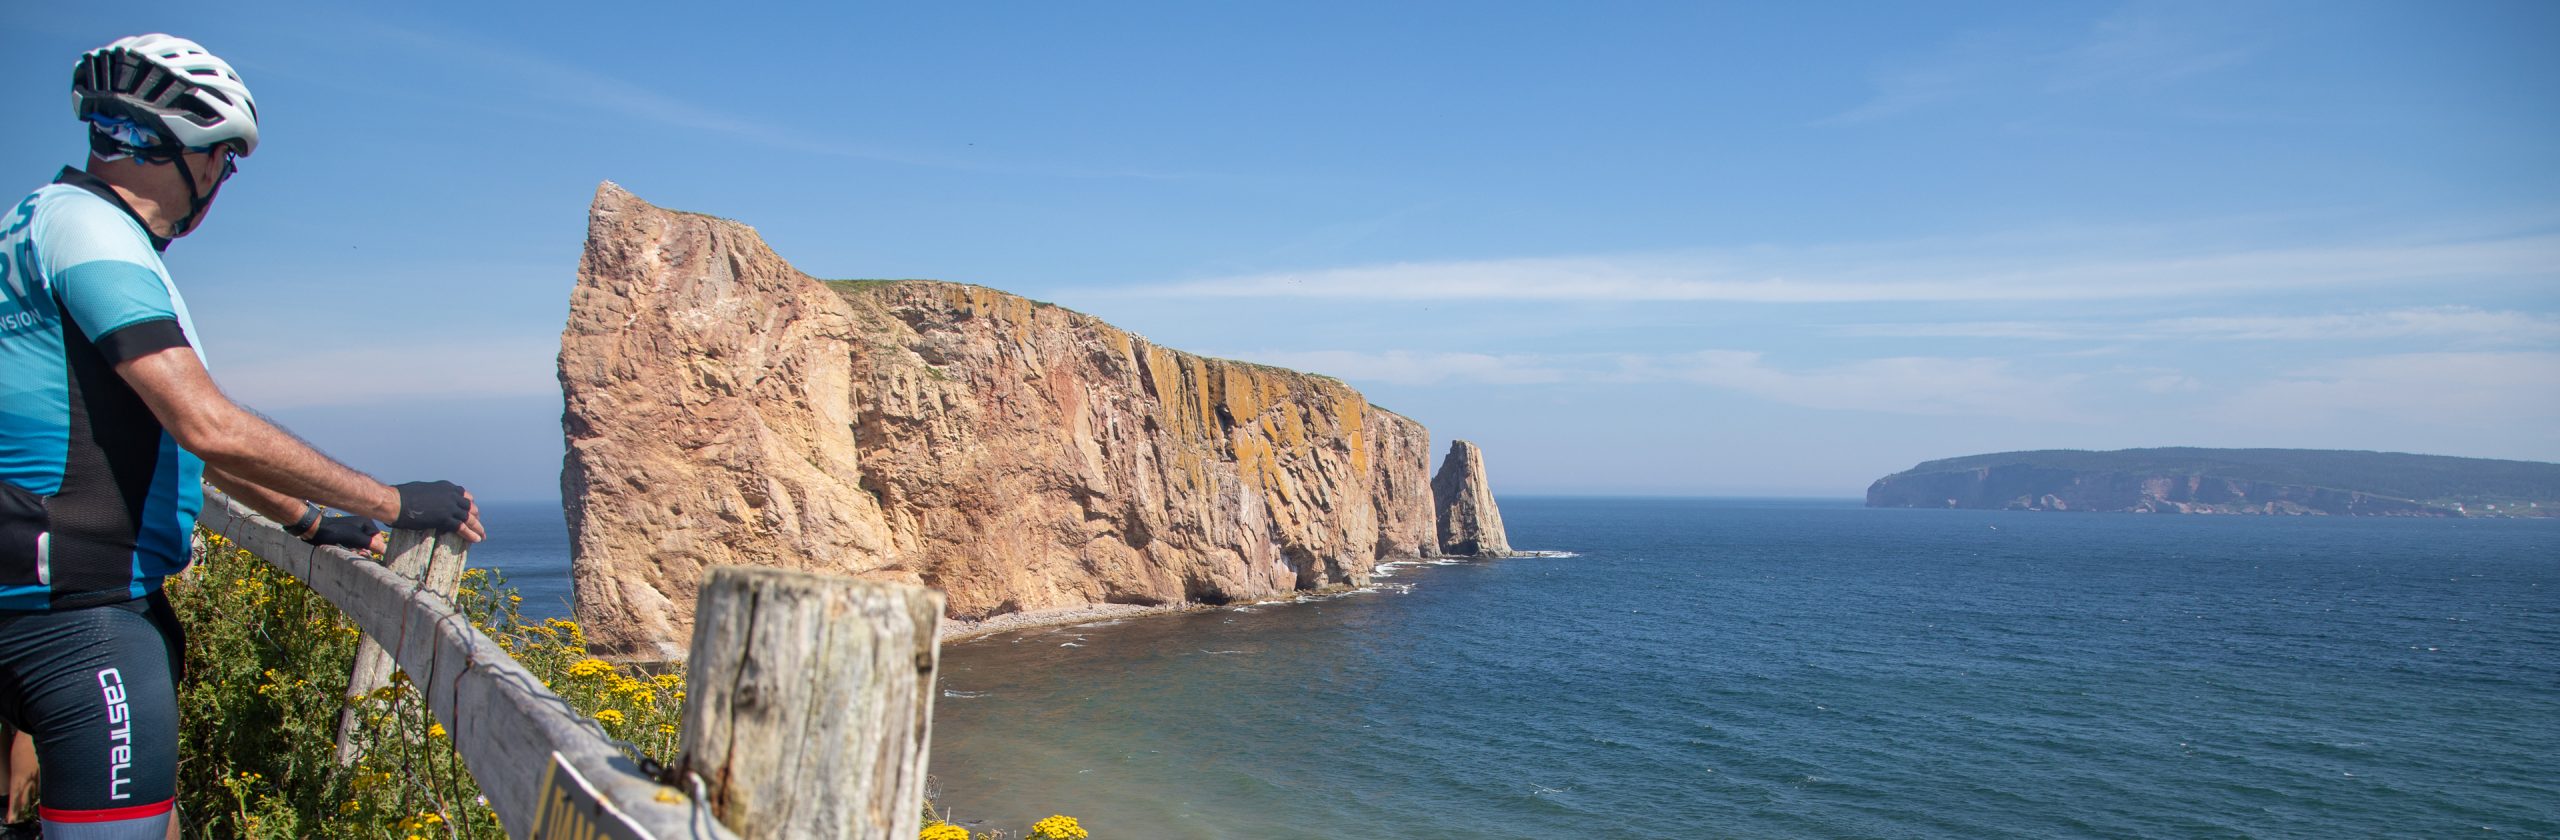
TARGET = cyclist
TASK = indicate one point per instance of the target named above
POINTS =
(108, 421)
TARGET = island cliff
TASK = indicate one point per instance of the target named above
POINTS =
(2245, 481)
(723, 407)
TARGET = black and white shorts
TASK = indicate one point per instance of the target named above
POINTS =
(97, 690)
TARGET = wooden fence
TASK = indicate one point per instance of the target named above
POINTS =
(810, 698)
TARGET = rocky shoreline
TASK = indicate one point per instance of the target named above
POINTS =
(961, 630)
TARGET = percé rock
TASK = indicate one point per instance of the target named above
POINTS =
(709, 420)
(2243, 481)
(725, 408)
(1470, 525)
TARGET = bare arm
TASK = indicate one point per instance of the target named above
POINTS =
(245, 449)
(285, 510)
(282, 508)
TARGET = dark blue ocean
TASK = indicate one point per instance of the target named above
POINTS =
(1740, 668)
(528, 544)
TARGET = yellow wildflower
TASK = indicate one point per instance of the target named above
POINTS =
(1057, 827)
(612, 716)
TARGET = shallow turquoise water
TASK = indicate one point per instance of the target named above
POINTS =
(1737, 668)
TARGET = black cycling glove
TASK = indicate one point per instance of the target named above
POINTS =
(354, 533)
(437, 506)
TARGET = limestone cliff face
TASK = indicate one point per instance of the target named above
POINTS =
(1469, 522)
(709, 420)
(1401, 451)
(725, 408)
(2024, 487)
(1045, 459)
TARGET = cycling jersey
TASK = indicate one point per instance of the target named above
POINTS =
(97, 501)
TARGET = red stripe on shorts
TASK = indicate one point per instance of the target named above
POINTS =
(133, 812)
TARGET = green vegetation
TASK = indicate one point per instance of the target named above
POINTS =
(857, 286)
(267, 662)
(2472, 482)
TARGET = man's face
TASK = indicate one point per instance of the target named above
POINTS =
(210, 168)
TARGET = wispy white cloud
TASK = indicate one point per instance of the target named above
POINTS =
(2459, 323)
(1405, 367)
(578, 89)
(1868, 274)
(1908, 385)
(1954, 71)
(2469, 391)
(2141, 47)
(2135, 48)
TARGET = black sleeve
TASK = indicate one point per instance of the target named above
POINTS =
(141, 338)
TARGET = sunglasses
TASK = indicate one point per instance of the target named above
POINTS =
(230, 159)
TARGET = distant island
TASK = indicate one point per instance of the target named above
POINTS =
(2239, 481)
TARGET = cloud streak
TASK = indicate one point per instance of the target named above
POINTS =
(1872, 275)
(2133, 49)
(1902, 385)
(575, 88)
(2509, 392)
(2460, 323)
(1406, 367)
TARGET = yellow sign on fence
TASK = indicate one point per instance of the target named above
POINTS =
(570, 809)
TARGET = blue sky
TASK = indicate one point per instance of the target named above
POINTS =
(1629, 248)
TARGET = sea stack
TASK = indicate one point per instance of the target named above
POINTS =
(723, 407)
(1469, 523)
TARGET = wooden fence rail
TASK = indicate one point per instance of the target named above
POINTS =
(506, 725)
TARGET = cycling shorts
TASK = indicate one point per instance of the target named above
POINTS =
(97, 690)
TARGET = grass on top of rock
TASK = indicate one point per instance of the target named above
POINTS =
(868, 283)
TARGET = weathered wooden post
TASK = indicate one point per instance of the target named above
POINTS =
(436, 561)
(810, 703)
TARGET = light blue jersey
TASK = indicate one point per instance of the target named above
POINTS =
(97, 501)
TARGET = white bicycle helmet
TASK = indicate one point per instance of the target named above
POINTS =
(170, 86)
